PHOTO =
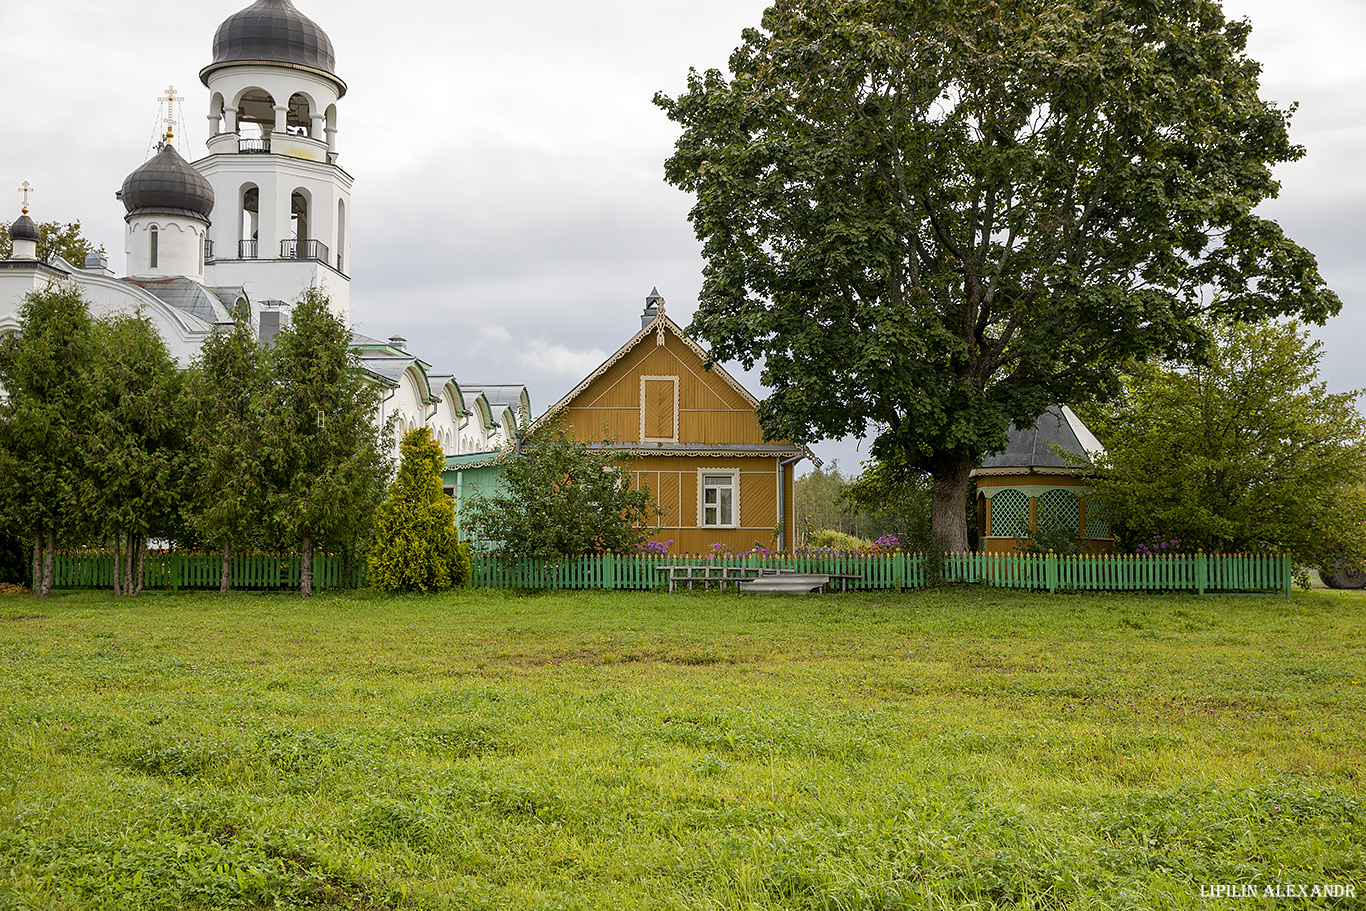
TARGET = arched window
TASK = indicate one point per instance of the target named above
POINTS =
(298, 215)
(248, 222)
(152, 246)
(216, 114)
(256, 117)
(299, 119)
(341, 234)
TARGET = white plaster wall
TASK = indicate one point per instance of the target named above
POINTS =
(180, 246)
(276, 178)
(282, 279)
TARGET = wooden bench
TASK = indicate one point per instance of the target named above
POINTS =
(753, 578)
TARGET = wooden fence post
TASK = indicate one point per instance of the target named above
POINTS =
(1201, 572)
(1050, 572)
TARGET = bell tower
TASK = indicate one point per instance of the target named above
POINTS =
(282, 212)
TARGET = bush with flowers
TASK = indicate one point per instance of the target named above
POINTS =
(654, 548)
(856, 547)
(1159, 546)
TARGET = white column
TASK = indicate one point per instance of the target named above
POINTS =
(317, 128)
(231, 115)
(281, 117)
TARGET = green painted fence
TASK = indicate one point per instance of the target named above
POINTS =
(174, 571)
(1201, 573)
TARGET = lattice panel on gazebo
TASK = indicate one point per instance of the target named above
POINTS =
(1010, 514)
(1097, 521)
(1058, 509)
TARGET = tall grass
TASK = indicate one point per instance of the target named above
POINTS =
(943, 749)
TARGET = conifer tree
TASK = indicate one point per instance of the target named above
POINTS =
(46, 371)
(324, 460)
(229, 383)
(138, 443)
(416, 545)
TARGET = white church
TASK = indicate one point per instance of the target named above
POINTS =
(262, 217)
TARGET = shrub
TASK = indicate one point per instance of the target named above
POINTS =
(416, 546)
(835, 540)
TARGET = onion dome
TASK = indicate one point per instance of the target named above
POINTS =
(24, 229)
(272, 32)
(167, 185)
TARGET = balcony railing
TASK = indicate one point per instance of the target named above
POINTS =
(208, 250)
(259, 146)
(246, 249)
(303, 249)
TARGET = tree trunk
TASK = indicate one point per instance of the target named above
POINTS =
(306, 568)
(48, 560)
(138, 544)
(225, 575)
(948, 518)
(118, 564)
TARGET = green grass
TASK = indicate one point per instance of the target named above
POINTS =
(962, 748)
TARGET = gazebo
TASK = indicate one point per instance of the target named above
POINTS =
(1040, 481)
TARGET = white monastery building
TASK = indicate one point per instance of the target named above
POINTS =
(261, 218)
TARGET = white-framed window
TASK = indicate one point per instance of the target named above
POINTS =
(718, 497)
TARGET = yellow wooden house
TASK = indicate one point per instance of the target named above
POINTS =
(693, 438)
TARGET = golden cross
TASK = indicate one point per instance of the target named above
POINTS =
(170, 98)
(25, 189)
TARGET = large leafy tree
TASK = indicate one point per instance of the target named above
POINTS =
(416, 547)
(1245, 452)
(561, 497)
(46, 372)
(229, 388)
(936, 217)
(55, 239)
(137, 445)
(324, 461)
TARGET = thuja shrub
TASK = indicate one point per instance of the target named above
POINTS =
(416, 547)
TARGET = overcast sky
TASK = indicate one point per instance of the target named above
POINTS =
(510, 214)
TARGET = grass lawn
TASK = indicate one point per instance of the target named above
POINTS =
(945, 749)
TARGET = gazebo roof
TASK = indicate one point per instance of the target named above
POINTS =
(1057, 443)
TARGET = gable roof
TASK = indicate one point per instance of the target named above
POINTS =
(1056, 443)
(660, 325)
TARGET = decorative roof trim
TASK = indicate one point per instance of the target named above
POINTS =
(333, 78)
(1079, 472)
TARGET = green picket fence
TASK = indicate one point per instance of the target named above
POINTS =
(1200, 573)
(174, 571)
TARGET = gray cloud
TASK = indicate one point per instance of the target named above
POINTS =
(510, 214)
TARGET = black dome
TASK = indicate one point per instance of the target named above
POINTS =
(23, 229)
(272, 31)
(167, 185)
